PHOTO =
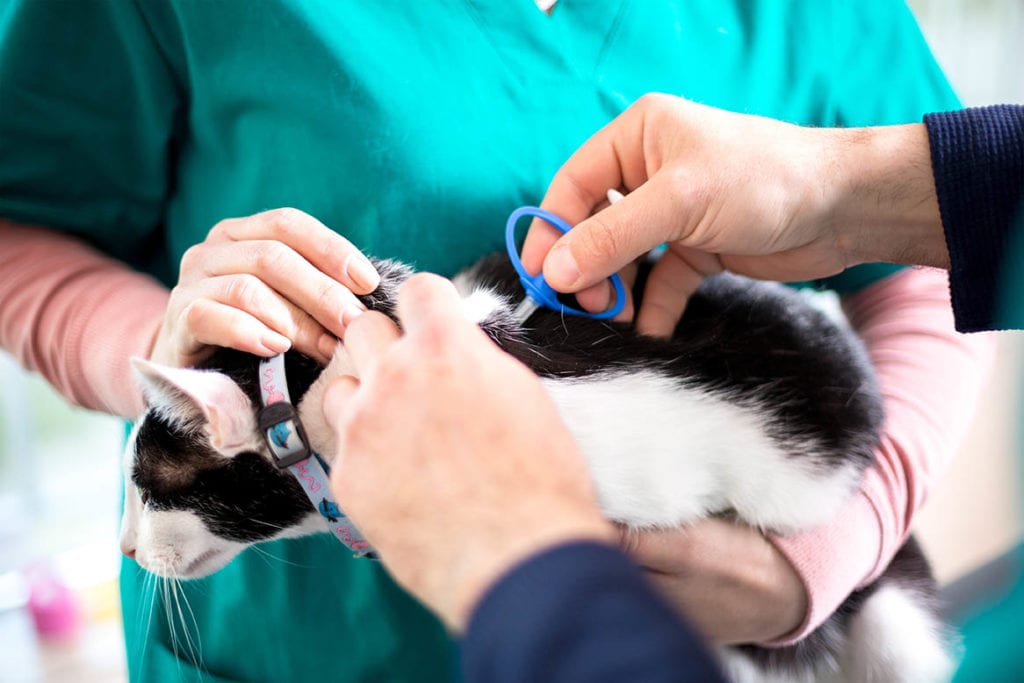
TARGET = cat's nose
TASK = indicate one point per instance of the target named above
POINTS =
(128, 550)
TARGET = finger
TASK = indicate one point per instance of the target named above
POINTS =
(611, 158)
(368, 338)
(337, 399)
(327, 250)
(283, 269)
(210, 323)
(336, 404)
(249, 294)
(600, 297)
(662, 550)
(669, 286)
(608, 240)
(429, 305)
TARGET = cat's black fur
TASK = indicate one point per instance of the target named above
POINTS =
(760, 345)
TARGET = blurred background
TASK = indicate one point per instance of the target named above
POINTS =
(59, 466)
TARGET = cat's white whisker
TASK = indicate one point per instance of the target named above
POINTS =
(271, 556)
(279, 527)
(534, 350)
(195, 648)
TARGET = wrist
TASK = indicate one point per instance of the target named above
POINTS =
(881, 201)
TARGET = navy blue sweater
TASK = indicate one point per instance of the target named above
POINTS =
(580, 612)
(978, 161)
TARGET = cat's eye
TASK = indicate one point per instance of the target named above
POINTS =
(143, 496)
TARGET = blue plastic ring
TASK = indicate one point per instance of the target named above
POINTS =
(535, 285)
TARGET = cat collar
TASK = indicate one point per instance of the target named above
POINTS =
(290, 449)
(538, 291)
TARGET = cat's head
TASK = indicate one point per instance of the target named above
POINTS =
(200, 485)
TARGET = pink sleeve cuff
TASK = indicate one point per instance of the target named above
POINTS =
(76, 316)
(930, 377)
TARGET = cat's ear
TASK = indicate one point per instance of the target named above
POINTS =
(210, 398)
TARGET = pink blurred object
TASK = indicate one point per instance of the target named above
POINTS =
(53, 606)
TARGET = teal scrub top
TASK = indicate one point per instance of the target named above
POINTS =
(411, 128)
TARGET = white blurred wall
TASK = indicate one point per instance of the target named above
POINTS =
(975, 513)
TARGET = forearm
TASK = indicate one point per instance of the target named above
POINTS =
(930, 377)
(76, 316)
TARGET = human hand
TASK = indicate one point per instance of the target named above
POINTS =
(732, 192)
(451, 458)
(726, 578)
(262, 284)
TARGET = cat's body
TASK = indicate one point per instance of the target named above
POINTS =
(760, 407)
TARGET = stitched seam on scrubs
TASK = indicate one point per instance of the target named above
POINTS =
(481, 26)
(609, 38)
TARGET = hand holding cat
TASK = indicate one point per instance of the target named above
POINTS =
(262, 284)
(451, 457)
(733, 192)
(729, 580)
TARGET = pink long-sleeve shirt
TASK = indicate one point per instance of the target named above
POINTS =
(76, 316)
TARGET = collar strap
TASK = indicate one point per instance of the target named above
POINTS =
(285, 436)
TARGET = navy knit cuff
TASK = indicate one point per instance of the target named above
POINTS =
(580, 612)
(978, 162)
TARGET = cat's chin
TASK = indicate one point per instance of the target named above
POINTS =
(204, 564)
(211, 561)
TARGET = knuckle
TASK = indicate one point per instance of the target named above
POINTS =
(284, 220)
(326, 297)
(654, 102)
(648, 100)
(244, 292)
(220, 229)
(582, 192)
(269, 256)
(195, 314)
(191, 259)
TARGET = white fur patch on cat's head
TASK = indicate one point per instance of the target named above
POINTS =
(200, 399)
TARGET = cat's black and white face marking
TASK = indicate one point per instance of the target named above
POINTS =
(199, 483)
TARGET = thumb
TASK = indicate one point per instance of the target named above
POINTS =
(608, 240)
(430, 303)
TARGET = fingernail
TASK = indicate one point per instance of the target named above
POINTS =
(275, 343)
(350, 313)
(362, 272)
(326, 344)
(560, 268)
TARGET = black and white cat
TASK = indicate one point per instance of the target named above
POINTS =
(760, 406)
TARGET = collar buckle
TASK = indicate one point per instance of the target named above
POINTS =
(285, 436)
